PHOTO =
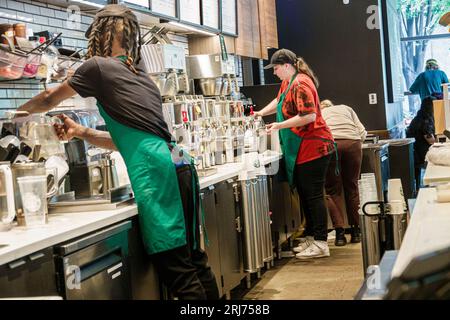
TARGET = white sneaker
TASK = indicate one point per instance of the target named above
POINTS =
(317, 249)
(304, 244)
(332, 235)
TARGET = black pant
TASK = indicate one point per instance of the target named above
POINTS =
(185, 270)
(310, 181)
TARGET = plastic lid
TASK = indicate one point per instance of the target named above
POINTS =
(31, 178)
(398, 142)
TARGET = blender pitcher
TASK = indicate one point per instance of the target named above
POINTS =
(7, 206)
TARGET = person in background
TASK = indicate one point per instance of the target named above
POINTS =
(306, 142)
(422, 129)
(349, 133)
(429, 82)
(130, 104)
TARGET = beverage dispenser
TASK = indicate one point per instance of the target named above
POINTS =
(212, 75)
(166, 65)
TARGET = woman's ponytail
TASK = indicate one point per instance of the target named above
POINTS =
(302, 67)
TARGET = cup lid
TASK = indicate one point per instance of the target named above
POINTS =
(32, 178)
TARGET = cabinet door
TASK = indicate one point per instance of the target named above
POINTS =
(268, 25)
(30, 276)
(144, 278)
(280, 206)
(244, 42)
(228, 217)
(256, 35)
(295, 217)
(211, 233)
(248, 43)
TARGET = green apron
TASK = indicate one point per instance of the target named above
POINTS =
(155, 185)
(289, 141)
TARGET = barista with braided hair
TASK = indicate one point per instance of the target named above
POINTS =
(130, 103)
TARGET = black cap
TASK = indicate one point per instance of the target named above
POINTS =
(282, 56)
(113, 10)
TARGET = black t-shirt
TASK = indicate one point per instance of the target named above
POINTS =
(129, 98)
(422, 125)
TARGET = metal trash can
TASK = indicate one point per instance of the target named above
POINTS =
(256, 224)
(267, 249)
(401, 164)
(395, 222)
(252, 257)
(376, 160)
(370, 239)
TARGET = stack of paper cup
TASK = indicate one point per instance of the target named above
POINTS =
(368, 192)
(395, 191)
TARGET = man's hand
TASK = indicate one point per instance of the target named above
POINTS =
(257, 114)
(69, 129)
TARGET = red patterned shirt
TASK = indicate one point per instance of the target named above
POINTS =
(303, 99)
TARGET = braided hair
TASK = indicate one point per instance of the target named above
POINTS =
(106, 29)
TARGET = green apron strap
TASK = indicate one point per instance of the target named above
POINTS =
(336, 169)
(289, 141)
(204, 223)
(194, 189)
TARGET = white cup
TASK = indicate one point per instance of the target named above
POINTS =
(395, 190)
(396, 207)
(33, 191)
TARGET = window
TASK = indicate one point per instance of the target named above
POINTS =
(422, 38)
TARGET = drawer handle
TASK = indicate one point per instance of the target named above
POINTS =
(36, 256)
(117, 266)
(16, 264)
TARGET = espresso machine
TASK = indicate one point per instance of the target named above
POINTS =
(86, 162)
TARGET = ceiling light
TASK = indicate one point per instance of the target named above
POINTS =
(88, 3)
(183, 26)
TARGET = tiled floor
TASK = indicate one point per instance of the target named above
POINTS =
(337, 277)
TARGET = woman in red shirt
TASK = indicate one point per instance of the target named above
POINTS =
(307, 144)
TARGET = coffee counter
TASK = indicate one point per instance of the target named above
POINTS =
(428, 229)
(435, 174)
(21, 241)
(231, 170)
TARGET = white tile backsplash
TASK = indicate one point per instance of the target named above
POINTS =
(47, 12)
(55, 22)
(32, 9)
(40, 16)
(8, 14)
(61, 14)
(14, 5)
(41, 20)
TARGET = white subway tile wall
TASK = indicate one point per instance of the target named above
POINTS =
(40, 16)
(44, 17)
